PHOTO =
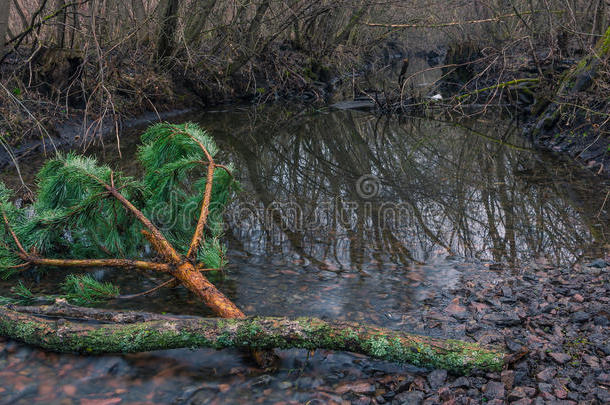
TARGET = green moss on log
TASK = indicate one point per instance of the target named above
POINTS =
(258, 333)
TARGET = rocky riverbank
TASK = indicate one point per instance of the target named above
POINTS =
(554, 320)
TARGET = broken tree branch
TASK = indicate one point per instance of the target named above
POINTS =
(255, 333)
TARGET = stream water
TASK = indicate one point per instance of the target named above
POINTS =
(343, 215)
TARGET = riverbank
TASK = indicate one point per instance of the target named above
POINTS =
(578, 133)
(411, 282)
(553, 321)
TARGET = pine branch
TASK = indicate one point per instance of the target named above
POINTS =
(85, 290)
(89, 209)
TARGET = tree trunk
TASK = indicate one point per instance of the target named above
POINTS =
(249, 48)
(139, 16)
(22, 18)
(60, 24)
(198, 20)
(5, 10)
(167, 31)
(346, 32)
(579, 79)
(160, 333)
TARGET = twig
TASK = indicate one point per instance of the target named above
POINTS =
(152, 290)
(498, 86)
(452, 23)
(603, 205)
(15, 238)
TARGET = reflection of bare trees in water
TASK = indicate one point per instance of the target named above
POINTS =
(444, 189)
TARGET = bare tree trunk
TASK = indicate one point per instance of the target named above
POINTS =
(19, 10)
(139, 12)
(198, 20)
(75, 26)
(5, 9)
(599, 21)
(169, 20)
(252, 37)
(61, 24)
(345, 33)
(139, 15)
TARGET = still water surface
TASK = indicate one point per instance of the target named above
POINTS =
(343, 215)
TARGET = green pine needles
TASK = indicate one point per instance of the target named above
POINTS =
(87, 215)
(82, 289)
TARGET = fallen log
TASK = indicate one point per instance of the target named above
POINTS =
(162, 332)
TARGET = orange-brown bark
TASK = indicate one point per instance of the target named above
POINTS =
(124, 263)
(205, 205)
(192, 279)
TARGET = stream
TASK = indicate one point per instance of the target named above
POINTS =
(343, 215)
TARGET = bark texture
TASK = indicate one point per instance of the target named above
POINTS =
(578, 79)
(5, 9)
(256, 333)
(167, 30)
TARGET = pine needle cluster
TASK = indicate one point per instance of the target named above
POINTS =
(74, 216)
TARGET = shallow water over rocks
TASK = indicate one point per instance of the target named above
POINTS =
(349, 216)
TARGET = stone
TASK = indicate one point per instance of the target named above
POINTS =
(603, 378)
(380, 400)
(508, 379)
(539, 401)
(456, 309)
(560, 393)
(362, 401)
(461, 382)
(516, 394)
(437, 378)
(504, 319)
(494, 390)
(522, 401)
(603, 395)
(433, 400)
(409, 398)
(592, 361)
(284, 385)
(404, 385)
(594, 271)
(264, 379)
(599, 263)
(544, 387)
(513, 345)
(546, 375)
(355, 387)
(601, 320)
(578, 298)
(446, 394)
(580, 316)
(560, 358)
(521, 392)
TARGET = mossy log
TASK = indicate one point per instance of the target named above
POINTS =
(500, 86)
(130, 335)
